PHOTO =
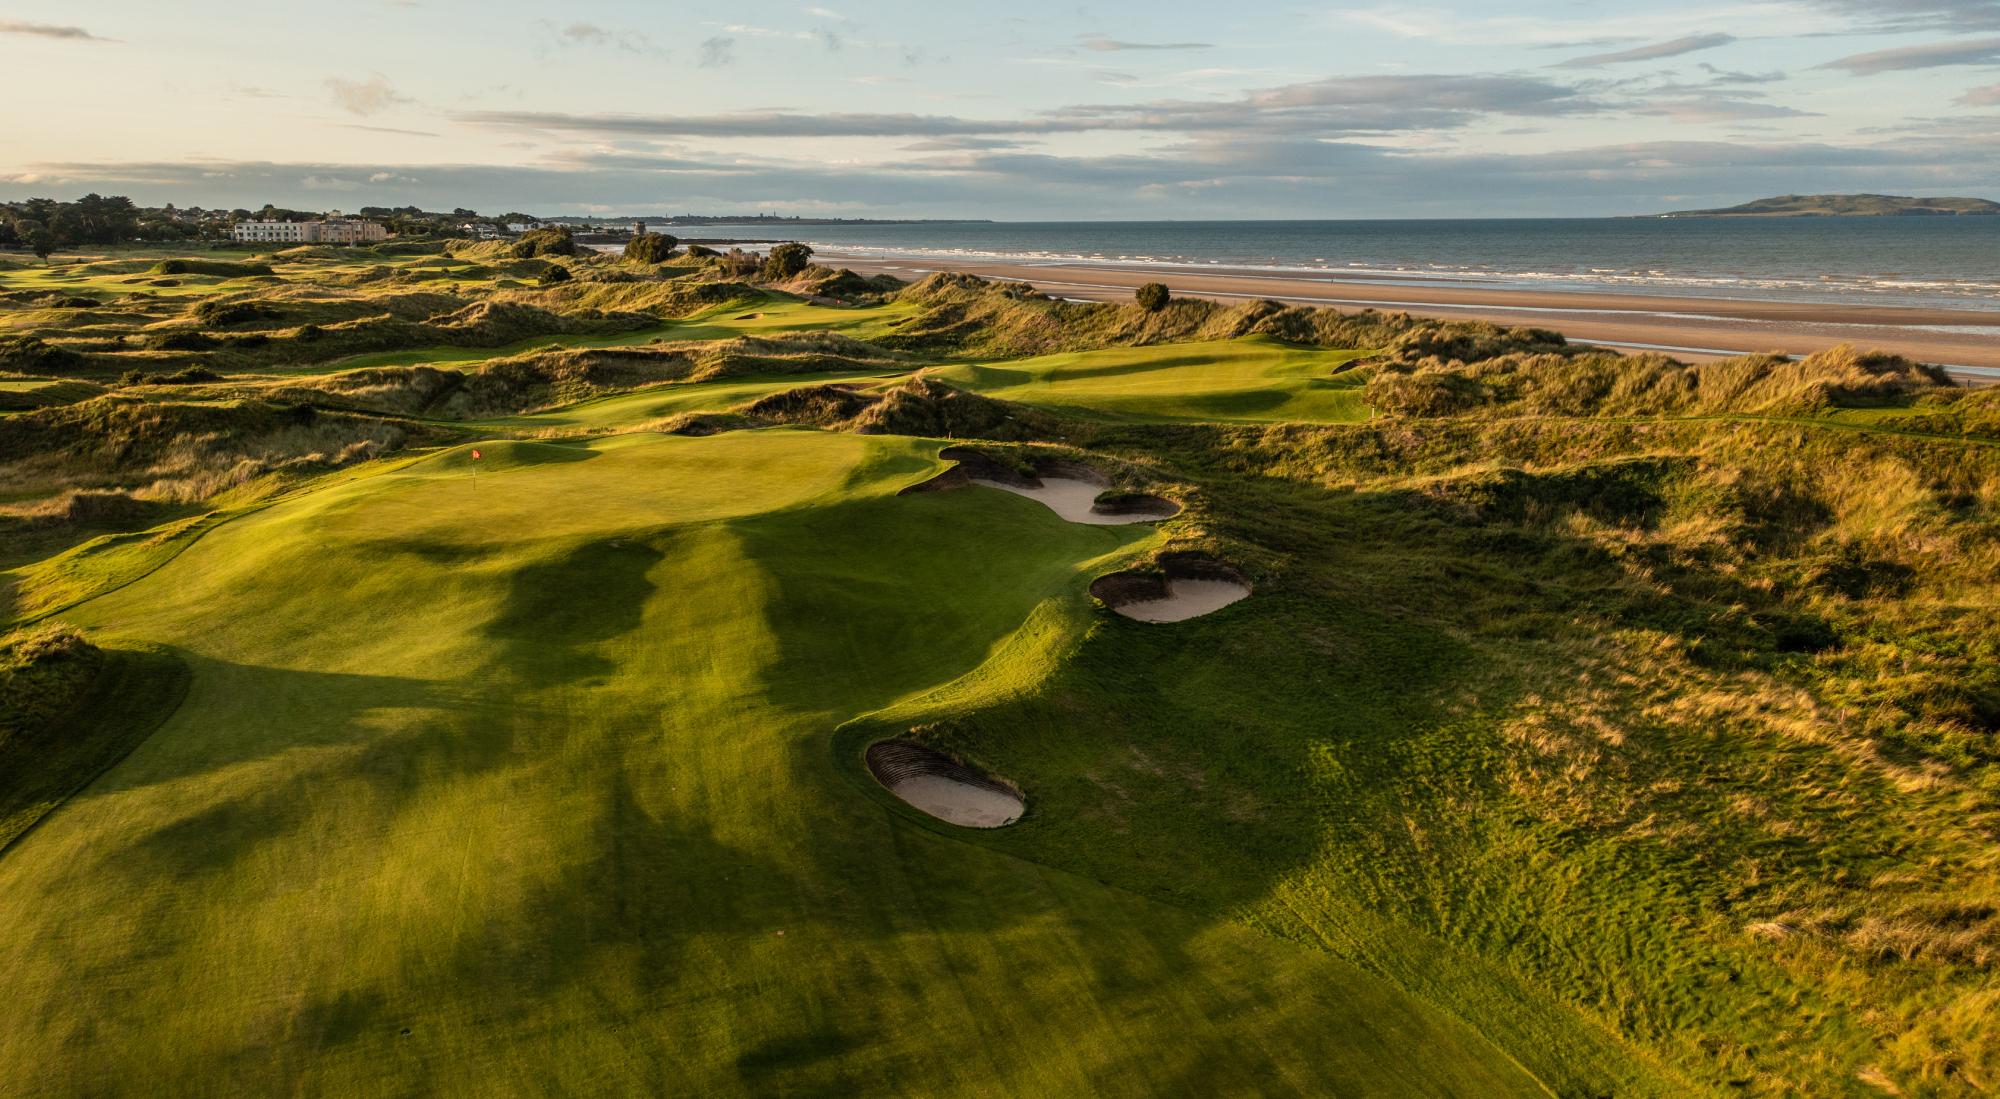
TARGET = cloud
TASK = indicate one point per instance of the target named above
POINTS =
(717, 52)
(1716, 108)
(48, 30)
(958, 144)
(366, 97)
(1690, 44)
(1250, 174)
(1112, 45)
(591, 34)
(384, 130)
(1988, 96)
(1974, 51)
(1915, 15)
(1332, 107)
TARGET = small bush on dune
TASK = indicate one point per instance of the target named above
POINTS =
(182, 340)
(223, 314)
(193, 375)
(786, 261)
(32, 355)
(44, 672)
(738, 264)
(651, 248)
(214, 267)
(555, 240)
(701, 251)
(1152, 297)
(555, 274)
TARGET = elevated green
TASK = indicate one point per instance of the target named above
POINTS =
(1255, 378)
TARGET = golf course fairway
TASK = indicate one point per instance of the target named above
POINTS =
(518, 775)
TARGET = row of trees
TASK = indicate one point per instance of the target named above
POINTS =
(43, 225)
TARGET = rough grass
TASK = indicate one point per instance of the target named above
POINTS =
(68, 711)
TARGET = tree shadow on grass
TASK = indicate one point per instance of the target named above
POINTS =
(556, 610)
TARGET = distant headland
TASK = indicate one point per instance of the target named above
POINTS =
(1835, 206)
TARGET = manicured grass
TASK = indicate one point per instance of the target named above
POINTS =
(1254, 378)
(513, 776)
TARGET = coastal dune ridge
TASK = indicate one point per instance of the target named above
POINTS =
(1694, 287)
(1964, 340)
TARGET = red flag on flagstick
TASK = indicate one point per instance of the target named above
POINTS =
(475, 455)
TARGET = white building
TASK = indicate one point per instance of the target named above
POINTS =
(331, 231)
(289, 232)
(523, 226)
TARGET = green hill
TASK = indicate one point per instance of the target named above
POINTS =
(1795, 206)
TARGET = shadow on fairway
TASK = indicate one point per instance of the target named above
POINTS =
(556, 609)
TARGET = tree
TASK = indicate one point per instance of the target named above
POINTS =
(786, 260)
(552, 241)
(1152, 297)
(651, 247)
(39, 238)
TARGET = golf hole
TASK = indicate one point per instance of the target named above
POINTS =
(1182, 590)
(942, 787)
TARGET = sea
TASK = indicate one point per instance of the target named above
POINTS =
(1935, 262)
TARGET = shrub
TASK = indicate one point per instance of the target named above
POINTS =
(1152, 297)
(556, 273)
(183, 340)
(32, 355)
(223, 314)
(651, 248)
(44, 672)
(218, 268)
(786, 260)
(702, 251)
(555, 240)
(193, 375)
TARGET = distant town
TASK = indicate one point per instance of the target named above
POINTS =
(43, 225)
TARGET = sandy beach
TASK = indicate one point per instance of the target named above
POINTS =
(1688, 327)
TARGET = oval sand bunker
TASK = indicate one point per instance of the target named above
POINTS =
(1172, 598)
(1185, 599)
(943, 787)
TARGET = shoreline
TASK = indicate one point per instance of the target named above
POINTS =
(1685, 326)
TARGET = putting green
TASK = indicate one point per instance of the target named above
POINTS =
(1255, 378)
(515, 777)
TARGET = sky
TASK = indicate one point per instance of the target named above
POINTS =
(1022, 110)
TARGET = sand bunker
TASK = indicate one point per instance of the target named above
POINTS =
(943, 787)
(1187, 590)
(1070, 491)
(1072, 498)
(1186, 599)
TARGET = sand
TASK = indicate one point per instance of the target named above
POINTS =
(959, 803)
(943, 787)
(1967, 340)
(1185, 599)
(1070, 497)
